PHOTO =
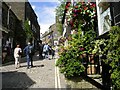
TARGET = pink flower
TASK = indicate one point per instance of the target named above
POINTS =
(74, 11)
(82, 49)
(74, 15)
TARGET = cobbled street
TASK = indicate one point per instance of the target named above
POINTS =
(42, 75)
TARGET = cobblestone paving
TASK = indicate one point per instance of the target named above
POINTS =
(42, 75)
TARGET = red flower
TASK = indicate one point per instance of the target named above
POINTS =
(76, 6)
(94, 10)
(78, 11)
(66, 7)
(68, 4)
(93, 4)
(85, 8)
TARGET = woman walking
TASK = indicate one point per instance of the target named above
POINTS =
(17, 56)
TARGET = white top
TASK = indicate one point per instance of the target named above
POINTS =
(16, 51)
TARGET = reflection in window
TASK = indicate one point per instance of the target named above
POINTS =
(105, 17)
(103, 6)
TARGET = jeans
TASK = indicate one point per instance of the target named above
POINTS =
(28, 60)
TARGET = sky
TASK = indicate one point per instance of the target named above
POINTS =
(45, 11)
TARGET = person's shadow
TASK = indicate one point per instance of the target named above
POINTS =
(32, 66)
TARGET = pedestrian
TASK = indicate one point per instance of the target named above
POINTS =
(29, 52)
(52, 52)
(40, 49)
(46, 49)
(17, 55)
(4, 54)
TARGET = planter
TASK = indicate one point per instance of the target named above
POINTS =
(91, 69)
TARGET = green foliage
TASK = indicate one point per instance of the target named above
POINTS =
(112, 51)
(60, 9)
(70, 64)
(88, 39)
(59, 28)
(59, 15)
(97, 46)
(116, 78)
(70, 60)
(28, 31)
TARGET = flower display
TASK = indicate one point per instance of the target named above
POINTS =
(82, 13)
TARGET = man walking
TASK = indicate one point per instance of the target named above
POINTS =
(28, 50)
(46, 49)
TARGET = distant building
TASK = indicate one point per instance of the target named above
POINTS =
(45, 37)
(54, 36)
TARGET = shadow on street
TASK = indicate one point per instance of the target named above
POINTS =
(16, 80)
(23, 60)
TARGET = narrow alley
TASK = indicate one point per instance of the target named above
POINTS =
(42, 75)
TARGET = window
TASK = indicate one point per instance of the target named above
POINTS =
(105, 16)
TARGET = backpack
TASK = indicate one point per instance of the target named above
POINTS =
(31, 50)
(19, 52)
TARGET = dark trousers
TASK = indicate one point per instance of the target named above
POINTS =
(40, 55)
(31, 60)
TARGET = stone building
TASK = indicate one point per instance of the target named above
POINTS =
(44, 37)
(10, 27)
(24, 11)
(14, 14)
(54, 36)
